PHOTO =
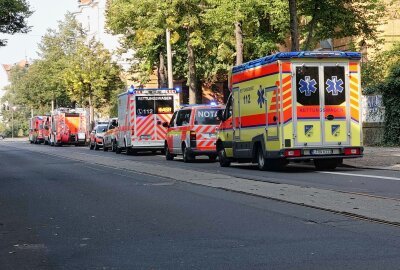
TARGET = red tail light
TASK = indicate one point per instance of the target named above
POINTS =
(352, 151)
(192, 135)
(292, 153)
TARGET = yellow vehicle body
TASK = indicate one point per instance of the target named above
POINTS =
(294, 106)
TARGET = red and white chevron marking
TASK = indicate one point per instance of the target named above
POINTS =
(203, 140)
(132, 110)
(160, 130)
(145, 126)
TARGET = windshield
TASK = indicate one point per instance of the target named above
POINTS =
(101, 129)
(206, 117)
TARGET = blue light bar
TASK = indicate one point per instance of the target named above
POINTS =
(293, 55)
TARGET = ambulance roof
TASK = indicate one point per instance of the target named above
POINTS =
(292, 55)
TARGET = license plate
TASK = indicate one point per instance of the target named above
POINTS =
(322, 152)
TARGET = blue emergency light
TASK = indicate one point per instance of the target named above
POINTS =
(131, 89)
(213, 103)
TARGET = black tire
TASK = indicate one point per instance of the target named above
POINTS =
(96, 146)
(187, 157)
(326, 164)
(223, 160)
(262, 162)
(118, 150)
(212, 158)
(168, 155)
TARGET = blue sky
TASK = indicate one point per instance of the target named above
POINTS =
(46, 15)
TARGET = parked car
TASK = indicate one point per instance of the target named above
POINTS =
(110, 137)
(96, 136)
(192, 132)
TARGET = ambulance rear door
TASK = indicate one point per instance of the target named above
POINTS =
(321, 104)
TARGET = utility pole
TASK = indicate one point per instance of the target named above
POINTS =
(12, 123)
(169, 59)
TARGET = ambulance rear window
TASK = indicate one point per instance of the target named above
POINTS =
(206, 117)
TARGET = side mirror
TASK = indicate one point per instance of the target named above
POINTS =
(220, 115)
(165, 124)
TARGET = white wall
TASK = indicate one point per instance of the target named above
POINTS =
(92, 18)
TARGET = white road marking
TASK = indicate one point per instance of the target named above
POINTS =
(363, 175)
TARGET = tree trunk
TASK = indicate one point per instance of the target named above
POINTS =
(91, 109)
(192, 73)
(162, 78)
(294, 27)
(239, 43)
(311, 27)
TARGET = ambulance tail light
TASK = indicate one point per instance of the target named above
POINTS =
(352, 151)
(292, 153)
(192, 135)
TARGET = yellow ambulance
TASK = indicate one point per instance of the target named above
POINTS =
(293, 106)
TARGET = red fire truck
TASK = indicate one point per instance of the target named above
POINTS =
(141, 113)
(36, 129)
(69, 126)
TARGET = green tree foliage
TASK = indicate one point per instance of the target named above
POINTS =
(203, 34)
(16, 111)
(325, 19)
(377, 68)
(391, 99)
(71, 71)
(381, 75)
(13, 15)
(91, 77)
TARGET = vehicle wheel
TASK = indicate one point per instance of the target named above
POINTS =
(187, 157)
(96, 146)
(326, 164)
(212, 158)
(261, 161)
(168, 155)
(223, 160)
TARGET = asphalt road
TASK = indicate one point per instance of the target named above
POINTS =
(385, 183)
(57, 213)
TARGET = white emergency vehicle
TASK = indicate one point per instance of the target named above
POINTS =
(141, 113)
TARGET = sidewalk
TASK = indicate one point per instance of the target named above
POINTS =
(378, 157)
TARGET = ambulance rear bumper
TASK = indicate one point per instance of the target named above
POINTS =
(198, 152)
(307, 154)
(322, 157)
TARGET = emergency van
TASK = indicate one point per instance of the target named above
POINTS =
(293, 106)
(69, 126)
(36, 129)
(192, 132)
(141, 113)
